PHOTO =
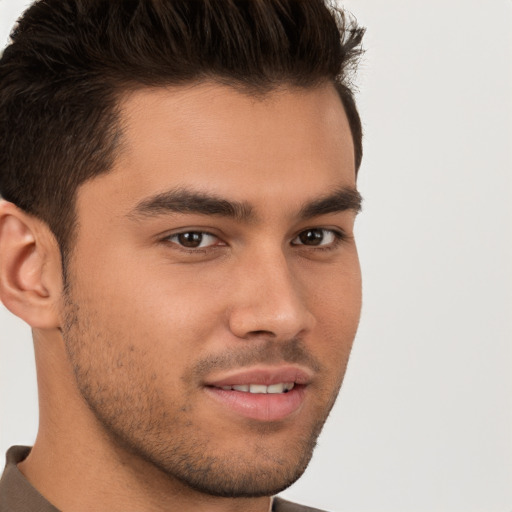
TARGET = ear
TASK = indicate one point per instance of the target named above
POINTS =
(30, 268)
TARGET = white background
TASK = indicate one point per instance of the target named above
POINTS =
(424, 422)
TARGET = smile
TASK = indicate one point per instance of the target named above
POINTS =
(282, 387)
(263, 394)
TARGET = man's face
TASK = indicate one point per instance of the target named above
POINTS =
(219, 252)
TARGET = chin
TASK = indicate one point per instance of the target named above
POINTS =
(242, 479)
(254, 468)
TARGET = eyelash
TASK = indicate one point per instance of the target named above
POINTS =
(339, 236)
(192, 249)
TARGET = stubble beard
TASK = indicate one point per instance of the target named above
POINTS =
(128, 404)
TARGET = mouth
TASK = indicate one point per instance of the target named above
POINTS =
(261, 389)
(264, 395)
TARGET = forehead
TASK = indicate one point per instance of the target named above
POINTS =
(214, 138)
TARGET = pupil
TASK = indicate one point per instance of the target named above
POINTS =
(312, 237)
(190, 239)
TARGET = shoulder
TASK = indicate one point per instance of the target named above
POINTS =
(281, 505)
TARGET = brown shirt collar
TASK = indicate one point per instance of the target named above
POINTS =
(16, 492)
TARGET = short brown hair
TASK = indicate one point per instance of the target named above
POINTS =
(69, 61)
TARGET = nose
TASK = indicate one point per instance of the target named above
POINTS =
(269, 300)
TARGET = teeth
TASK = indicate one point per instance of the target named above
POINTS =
(243, 387)
(276, 388)
(258, 388)
(282, 387)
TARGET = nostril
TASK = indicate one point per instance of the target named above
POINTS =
(261, 333)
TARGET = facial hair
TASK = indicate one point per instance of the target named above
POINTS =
(126, 394)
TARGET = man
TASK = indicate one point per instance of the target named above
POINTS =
(179, 195)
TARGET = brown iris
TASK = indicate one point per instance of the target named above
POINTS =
(312, 237)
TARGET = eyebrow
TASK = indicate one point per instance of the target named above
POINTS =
(189, 201)
(184, 200)
(343, 199)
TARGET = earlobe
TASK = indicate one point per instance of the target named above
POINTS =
(30, 280)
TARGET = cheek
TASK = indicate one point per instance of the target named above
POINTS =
(152, 296)
(335, 289)
(337, 308)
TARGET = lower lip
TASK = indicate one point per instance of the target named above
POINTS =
(260, 406)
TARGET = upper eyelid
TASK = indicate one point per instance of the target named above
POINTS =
(167, 235)
(201, 232)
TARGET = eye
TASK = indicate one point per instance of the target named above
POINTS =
(317, 237)
(194, 239)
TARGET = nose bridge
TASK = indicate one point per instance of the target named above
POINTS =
(270, 300)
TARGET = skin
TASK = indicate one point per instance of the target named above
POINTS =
(124, 352)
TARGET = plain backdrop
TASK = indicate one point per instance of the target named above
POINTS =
(424, 422)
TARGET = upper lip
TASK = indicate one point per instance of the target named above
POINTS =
(263, 375)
